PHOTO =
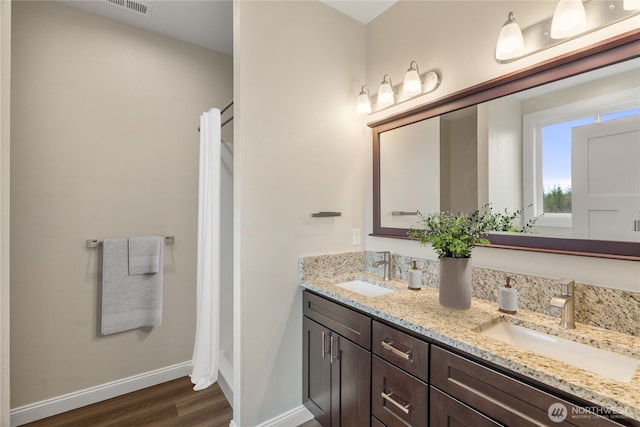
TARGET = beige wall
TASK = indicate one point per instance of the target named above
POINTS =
(423, 31)
(299, 149)
(5, 87)
(104, 145)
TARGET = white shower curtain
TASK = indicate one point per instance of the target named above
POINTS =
(205, 351)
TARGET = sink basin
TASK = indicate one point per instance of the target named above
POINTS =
(603, 362)
(364, 288)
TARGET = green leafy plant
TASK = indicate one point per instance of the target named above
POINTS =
(455, 235)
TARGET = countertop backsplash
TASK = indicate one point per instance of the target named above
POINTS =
(596, 306)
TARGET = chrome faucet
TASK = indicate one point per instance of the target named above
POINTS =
(566, 302)
(386, 261)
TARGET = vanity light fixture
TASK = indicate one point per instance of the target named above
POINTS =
(386, 96)
(364, 102)
(412, 84)
(510, 41)
(569, 19)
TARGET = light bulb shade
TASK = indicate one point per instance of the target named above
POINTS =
(569, 19)
(412, 84)
(510, 41)
(364, 102)
(386, 96)
(631, 4)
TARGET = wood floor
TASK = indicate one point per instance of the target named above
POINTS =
(170, 404)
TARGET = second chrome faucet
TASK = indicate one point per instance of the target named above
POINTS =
(386, 262)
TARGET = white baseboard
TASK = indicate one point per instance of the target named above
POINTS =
(292, 418)
(225, 376)
(57, 405)
(225, 387)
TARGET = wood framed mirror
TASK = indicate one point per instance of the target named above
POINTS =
(617, 51)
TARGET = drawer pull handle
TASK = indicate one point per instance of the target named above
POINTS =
(388, 346)
(333, 340)
(388, 398)
(324, 344)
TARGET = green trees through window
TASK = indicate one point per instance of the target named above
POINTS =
(557, 200)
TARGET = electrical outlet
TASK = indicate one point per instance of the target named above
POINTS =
(356, 236)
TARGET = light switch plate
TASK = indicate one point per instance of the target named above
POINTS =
(356, 236)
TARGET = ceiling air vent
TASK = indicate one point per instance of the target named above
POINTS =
(134, 6)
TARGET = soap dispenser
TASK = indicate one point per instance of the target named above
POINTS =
(508, 298)
(415, 278)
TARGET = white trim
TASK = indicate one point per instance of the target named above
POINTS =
(57, 405)
(294, 417)
(225, 387)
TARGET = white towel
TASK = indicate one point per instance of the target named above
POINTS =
(128, 302)
(144, 254)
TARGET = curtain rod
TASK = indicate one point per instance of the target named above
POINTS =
(226, 107)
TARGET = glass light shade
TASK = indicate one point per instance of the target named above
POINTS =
(569, 19)
(364, 103)
(631, 4)
(386, 96)
(412, 85)
(510, 41)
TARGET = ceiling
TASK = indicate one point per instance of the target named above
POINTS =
(206, 23)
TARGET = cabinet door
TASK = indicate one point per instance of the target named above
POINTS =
(316, 374)
(350, 384)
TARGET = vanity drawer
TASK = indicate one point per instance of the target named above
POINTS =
(504, 399)
(402, 350)
(447, 411)
(346, 322)
(397, 398)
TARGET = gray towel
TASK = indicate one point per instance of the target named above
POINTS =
(144, 254)
(128, 302)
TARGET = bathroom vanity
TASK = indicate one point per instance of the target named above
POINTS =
(401, 359)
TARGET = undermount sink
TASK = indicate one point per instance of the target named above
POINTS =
(603, 362)
(364, 288)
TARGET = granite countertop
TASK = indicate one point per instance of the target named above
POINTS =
(420, 311)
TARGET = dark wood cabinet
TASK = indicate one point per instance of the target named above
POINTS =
(336, 371)
(350, 384)
(359, 371)
(400, 375)
(349, 323)
(316, 366)
(504, 399)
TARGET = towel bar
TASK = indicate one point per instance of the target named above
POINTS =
(93, 243)
(325, 214)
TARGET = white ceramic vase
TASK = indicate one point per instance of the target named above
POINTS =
(455, 282)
